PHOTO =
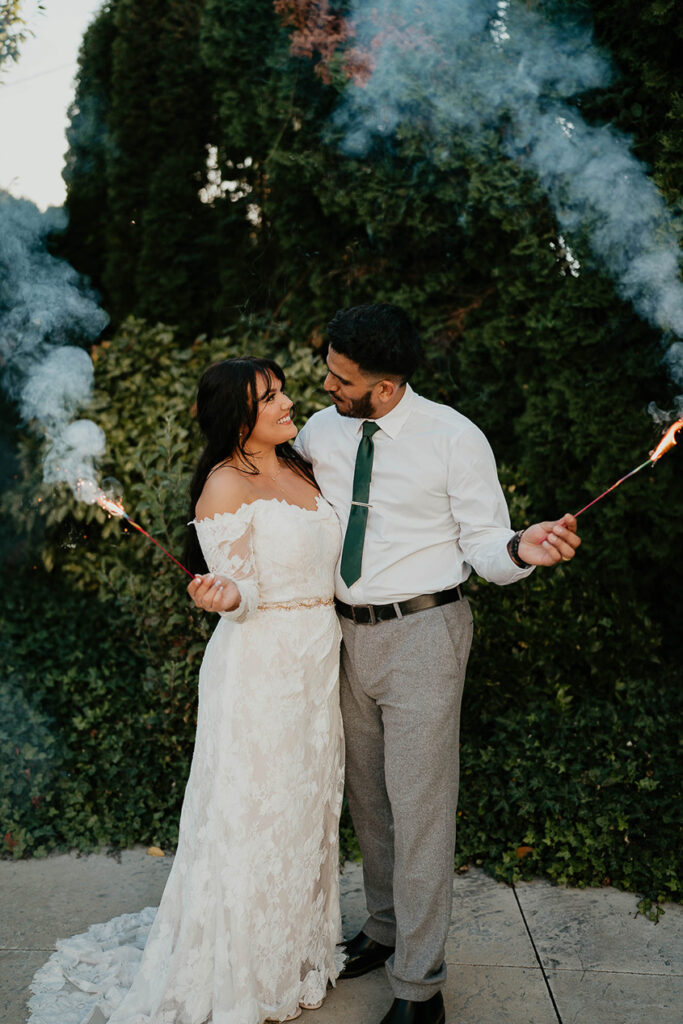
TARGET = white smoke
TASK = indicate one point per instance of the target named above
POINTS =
(46, 313)
(475, 67)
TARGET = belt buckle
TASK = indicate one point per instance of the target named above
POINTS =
(372, 618)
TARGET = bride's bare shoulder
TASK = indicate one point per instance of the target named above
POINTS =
(225, 490)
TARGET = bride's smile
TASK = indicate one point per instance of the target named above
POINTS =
(274, 423)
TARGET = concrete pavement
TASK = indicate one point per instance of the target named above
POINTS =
(532, 954)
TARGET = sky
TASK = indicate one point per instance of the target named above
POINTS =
(35, 94)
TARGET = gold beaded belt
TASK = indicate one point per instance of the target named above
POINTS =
(312, 602)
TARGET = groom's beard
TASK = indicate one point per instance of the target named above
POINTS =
(358, 408)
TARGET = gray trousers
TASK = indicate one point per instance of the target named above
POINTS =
(401, 689)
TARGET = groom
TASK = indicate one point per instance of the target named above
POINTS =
(415, 488)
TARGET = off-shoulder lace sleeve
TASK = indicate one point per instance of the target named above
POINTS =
(227, 541)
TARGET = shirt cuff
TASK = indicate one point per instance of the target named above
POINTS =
(514, 572)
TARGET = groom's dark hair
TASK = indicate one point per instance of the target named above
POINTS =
(379, 337)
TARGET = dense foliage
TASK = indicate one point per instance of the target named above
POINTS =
(101, 654)
(556, 369)
(207, 188)
(569, 738)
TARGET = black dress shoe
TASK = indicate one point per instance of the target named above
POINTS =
(363, 954)
(407, 1011)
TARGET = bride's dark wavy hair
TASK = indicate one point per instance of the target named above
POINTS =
(227, 410)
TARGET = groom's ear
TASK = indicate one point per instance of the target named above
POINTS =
(386, 389)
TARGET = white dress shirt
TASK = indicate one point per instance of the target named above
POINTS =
(436, 507)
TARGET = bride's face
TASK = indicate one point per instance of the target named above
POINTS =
(274, 424)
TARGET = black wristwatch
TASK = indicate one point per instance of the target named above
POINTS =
(513, 550)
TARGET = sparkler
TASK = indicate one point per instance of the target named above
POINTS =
(667, 442)
(115, 508)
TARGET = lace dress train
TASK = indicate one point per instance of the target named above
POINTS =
(249, 920)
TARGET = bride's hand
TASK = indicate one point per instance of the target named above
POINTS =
(214, 593)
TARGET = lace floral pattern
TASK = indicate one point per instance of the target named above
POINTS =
(249, 919)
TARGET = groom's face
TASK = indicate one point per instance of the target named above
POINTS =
(351, 390)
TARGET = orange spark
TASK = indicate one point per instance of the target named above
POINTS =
(667, 442)
(114, 508)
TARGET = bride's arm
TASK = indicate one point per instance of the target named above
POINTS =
(224, 526)
(231, 587)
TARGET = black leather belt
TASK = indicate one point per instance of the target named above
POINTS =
(369, 614)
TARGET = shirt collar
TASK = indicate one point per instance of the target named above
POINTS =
(392, 422)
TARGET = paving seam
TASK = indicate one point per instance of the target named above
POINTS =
(609, 970)
(27, 949)
(505, 967)
(538, 958)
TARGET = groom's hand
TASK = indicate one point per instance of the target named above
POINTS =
(214, 593)
(550, 542)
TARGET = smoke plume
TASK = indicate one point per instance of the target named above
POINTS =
(475, 67)
(46, 314)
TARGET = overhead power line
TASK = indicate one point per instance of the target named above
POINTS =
(31, 78)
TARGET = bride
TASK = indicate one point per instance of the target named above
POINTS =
(249, 920)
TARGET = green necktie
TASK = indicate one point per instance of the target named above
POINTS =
(352, 552)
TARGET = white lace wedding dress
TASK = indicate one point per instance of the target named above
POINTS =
(249, 918)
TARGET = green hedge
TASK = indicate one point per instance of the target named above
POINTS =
(570, 740)
(100, 643)
(569, 745)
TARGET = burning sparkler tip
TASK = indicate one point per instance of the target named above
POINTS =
(668, 441)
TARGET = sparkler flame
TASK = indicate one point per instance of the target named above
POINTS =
(667, 442)
(89, 491)
(114, 508)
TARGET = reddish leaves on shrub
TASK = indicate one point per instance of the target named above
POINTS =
(317, 30)
(10, 841)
